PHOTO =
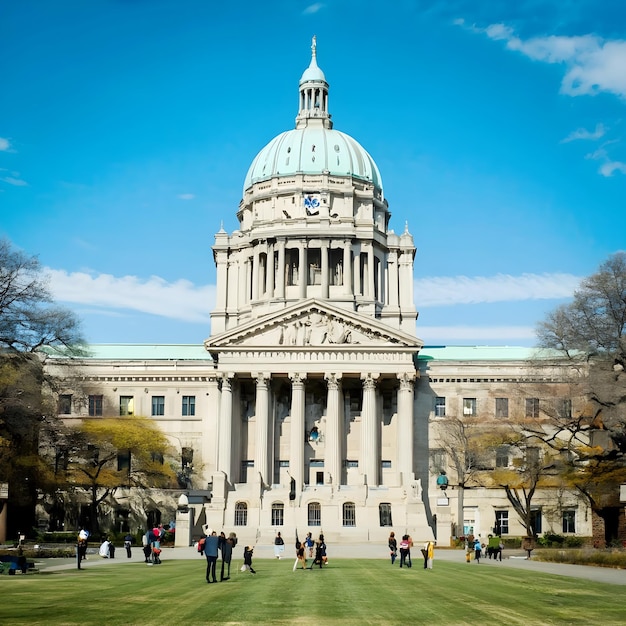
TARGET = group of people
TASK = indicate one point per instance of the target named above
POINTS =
(493, 549)
(406, 543)
(151, 543)
(316, 550)
(212, 545)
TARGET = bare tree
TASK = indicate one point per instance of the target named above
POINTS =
(589, 333)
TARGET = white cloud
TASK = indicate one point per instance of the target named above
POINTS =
(593, 64)
(180, 300)
(448, 291)
(583, 133)
(13, 180)
(5, 144)
(186, 196)
(610, 167)
(313, 8)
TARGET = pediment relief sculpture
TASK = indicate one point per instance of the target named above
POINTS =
(316, 329)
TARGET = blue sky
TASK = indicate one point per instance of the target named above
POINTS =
(127, 128)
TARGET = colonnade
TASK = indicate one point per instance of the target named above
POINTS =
(369, 457)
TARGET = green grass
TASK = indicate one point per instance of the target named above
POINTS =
(346, 592)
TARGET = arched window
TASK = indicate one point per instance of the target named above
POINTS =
(315, 514)
(349, 514)
(278, 514)
(384, 514)
(241, 514)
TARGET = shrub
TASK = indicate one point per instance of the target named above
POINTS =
(602, 558)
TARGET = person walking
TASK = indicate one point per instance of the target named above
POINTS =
(227, 546)
(393, 547)
(429, 553)
(309, 544)
(404, 550)
(478, 550)
(128, 542)
(211, 545)
(247, 559)
(279, 546)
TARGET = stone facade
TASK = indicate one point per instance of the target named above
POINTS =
(313, 405)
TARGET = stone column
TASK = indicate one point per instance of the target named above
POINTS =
(270, 271)
(296, 460)
(255, 273)
(224, 452)
(261, 461)
(324, 268)
(347, 267)
(280, 277)
(405, 428)
(333, 437)
(369, 432)
(303, 270)
(371, 288)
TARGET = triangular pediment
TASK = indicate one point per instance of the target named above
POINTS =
(313, 324)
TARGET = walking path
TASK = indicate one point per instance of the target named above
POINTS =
(366, 551)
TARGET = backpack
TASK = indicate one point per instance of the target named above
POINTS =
(201, 545)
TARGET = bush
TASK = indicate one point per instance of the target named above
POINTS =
(573, 542)
(601, 558)
(551, 540)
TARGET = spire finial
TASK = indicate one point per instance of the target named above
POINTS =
(314, 46)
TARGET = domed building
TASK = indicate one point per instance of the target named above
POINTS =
(313, 405)
(313, 338)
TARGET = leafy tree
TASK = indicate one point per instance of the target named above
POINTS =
(589, 332)
(102, 455)
(29, 322)
(462, 442)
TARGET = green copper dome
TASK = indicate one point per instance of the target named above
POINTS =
(313, 151)
(313, 147)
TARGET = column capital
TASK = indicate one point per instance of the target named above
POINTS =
(297, 377)
(370, 379)
(261, 378)
(333, 380)
(406, 381)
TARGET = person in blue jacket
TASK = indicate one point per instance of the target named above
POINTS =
(211, 551)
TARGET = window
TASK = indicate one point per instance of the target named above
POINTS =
(437, 461)
(569, 521)
(385, 464)
(502, 523)
(95, 406)
(531, 456)
(315, 514)
(351, 463)
(126, 405)
(349, 514)
(502, 456)
(532, 407)
(157, 457)
(502, 407)
(565, 409)
(469, 407)
(278, 514)
(123, 461)
(241, 514)
(440, 406)
(158, 405)
(65, 404)
(535, 520)
(356, 400)
(384, 514)
(186, 457)
(189, 405)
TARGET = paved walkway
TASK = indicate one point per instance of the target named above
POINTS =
(370, 551)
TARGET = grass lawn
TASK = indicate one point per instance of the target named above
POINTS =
(346, 592)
